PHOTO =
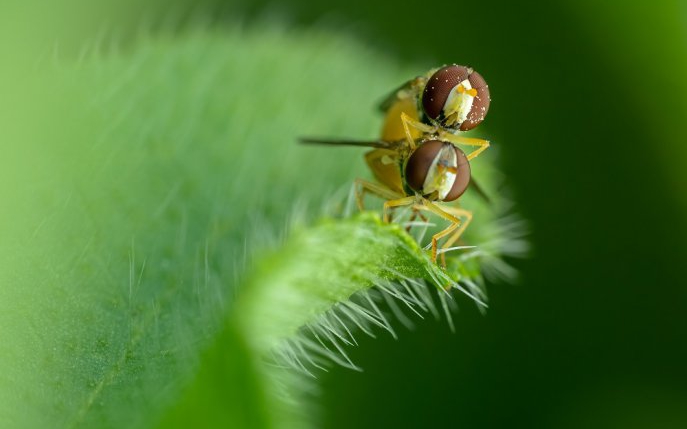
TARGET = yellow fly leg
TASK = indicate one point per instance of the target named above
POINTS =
(398, 202)
(466, 218)
(385, 166)
(465, 215)
(408, 122)
(416, 213)
(362, 186)
(468, 141)
(455, 223)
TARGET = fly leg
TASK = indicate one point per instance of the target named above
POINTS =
(416, 214)
(466, 217)
(410, 122)
(399, 202)
(455, 223)
(363, 186)
(481, 144)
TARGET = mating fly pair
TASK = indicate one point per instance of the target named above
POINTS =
(416, 160)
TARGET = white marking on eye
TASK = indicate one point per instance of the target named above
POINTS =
(438, 177)
(459, 103)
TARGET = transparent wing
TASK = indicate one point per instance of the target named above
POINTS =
(406, 89)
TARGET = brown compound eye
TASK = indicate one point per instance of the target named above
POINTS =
(439, 87)
(438, 167)
(420, 162)
(460, 185)
(480, 104)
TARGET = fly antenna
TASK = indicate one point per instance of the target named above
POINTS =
(381, 144)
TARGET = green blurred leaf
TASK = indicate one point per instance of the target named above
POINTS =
(137, 189)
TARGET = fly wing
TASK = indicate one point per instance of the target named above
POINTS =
(385, 164)
(406, 89)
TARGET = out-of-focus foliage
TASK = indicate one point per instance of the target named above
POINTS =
(156, 179)
(587, 115)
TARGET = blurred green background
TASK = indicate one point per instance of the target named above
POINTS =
(588, 114)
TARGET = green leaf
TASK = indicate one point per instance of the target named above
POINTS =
(141, 189)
